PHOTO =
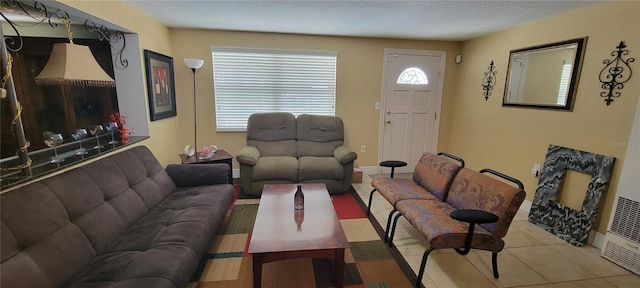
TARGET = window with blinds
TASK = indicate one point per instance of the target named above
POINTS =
(248, 81)
(565, 78)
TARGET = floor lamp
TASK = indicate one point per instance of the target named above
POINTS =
(194, 64)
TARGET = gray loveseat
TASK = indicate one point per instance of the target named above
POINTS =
(284, 149)
(122, 221)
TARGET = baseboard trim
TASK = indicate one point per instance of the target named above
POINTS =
(370, 169)
(526, 206)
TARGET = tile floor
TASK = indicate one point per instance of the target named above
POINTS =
(532, 258)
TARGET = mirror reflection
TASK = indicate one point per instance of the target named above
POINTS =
(544, 76)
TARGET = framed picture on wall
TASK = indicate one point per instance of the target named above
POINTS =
(160, 85)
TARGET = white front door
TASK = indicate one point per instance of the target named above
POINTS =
(412, 96)
(517, 73)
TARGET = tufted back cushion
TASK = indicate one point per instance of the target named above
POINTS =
(435, 173)
(319, 135)
(274, 134)
(75, 215)
(473, 190)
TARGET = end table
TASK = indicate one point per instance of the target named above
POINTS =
(220, 156)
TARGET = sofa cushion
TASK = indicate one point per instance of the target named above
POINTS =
(276, 168)
(320, 168)
(274, 134)
(473, 190)
(154, 282)
(318, 149)
(318, 135)
(166, 263)
(435, 173)
(175, 219)
(271, 126)
(396, 189)
(274, 148)
(319, 128)
(432, 220)
(106, 197)
(36, 234)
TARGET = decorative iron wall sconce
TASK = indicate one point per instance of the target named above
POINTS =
(115, 38)
(615, 73)
(488, 81)
(41, 13)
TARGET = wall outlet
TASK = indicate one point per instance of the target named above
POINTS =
(535, 171)
(363, 148)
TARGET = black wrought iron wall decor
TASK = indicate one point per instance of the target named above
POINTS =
(40, 13)
(616, 73)
(488, 81)
(113, 37)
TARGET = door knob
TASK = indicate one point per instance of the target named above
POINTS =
(388, 112)
(388, 121)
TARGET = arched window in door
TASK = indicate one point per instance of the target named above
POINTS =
(413, 76)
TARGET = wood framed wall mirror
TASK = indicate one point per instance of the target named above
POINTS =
(544, 76)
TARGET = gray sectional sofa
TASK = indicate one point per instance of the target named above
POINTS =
(122, 221)
(284, 149)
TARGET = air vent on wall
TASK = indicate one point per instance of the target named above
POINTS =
(622, 253)
(622, 241)
(626, 220)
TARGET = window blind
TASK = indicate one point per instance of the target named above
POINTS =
(248, 81)
(565, 77)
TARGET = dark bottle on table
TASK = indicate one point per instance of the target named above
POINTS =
(298, 198)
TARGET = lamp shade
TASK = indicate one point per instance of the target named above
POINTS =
(193, 63)
(74, 65)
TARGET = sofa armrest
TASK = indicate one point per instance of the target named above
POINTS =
(190, 175)
(248, 155)
(344, 155)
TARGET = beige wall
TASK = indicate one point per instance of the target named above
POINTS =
(359, 83)
(513, 139)
(359, 79)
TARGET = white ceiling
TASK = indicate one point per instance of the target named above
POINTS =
(422, 19)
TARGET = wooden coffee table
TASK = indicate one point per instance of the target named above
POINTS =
(281, 232)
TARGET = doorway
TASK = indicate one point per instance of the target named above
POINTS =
(411, 100)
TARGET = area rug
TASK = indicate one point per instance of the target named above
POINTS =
(369, 262)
